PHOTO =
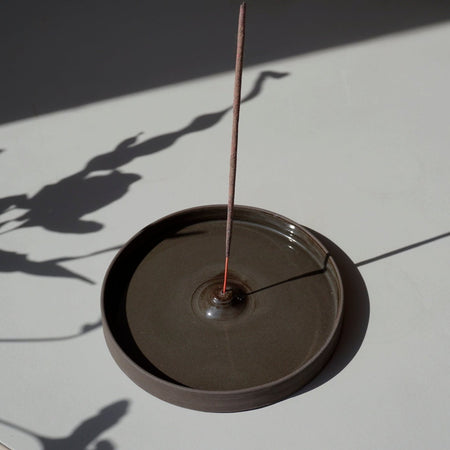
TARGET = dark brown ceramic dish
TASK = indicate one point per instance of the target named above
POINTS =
(168, 334)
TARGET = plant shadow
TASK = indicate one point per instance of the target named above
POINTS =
(61, 206)
(85, 434)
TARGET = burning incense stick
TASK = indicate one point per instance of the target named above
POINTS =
(234, 137)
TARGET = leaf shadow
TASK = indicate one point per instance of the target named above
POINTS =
(60, 207)
(86, 433)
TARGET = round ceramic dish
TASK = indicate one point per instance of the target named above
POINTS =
(168, 332)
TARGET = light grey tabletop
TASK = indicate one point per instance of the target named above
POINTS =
(346, 132)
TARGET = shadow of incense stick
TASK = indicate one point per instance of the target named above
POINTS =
(295, 278)
(402, 249)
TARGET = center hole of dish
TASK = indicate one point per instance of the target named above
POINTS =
(209, 302)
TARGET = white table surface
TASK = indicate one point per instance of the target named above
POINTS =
(353, 143)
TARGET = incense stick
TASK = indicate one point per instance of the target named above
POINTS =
(234, 137)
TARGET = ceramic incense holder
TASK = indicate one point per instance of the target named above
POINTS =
(170, 329)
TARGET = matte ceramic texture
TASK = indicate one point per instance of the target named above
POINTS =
(169, 333)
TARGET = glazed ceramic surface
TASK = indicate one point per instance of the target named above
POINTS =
(278, 331)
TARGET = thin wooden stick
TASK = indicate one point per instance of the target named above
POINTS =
(234, 137)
